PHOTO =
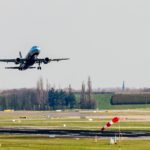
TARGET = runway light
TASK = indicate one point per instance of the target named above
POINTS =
(90, 119)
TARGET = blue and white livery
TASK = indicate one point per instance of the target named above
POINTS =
(30, 60)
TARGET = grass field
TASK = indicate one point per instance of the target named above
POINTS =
(103, 102)
(75, 124)
(16, 142)
(72, 120)
(135, 120)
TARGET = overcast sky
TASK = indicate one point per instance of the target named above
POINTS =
(108, 40)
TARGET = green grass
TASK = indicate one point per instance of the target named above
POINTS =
(75, 124)
(103, 101)
(39, 119)
(45, 143)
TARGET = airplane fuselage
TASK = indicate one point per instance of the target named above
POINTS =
(30, 58)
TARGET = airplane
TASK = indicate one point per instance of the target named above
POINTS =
(30, 60)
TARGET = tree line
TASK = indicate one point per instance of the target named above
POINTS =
(47, 98)
(87, 100)
(128, 99)
(59, 99)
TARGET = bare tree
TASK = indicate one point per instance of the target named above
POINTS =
(89, 90)
(40, 93)
(83, 97)
(70, 89)
(91, 103)
(48, 87)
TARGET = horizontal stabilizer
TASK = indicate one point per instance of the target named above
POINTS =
(18, 68)
(12, 68)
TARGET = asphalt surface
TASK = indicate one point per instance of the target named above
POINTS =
(76, 133)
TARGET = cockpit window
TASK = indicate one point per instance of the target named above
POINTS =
(35, 48)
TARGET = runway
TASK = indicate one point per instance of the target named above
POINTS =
(76, 133)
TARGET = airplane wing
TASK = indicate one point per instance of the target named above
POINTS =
(7, 60)
(59, 59)
(47, 60)
(12, 60)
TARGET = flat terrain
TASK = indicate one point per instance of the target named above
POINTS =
(131, 119)
(16, 142)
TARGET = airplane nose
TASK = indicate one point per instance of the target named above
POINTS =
(36, 49)
(39, 49)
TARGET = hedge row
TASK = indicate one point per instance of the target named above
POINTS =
(125, 99)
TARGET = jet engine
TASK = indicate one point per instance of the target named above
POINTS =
(46, 60)
(17, 61)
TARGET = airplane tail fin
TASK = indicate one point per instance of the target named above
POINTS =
(20, 54)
